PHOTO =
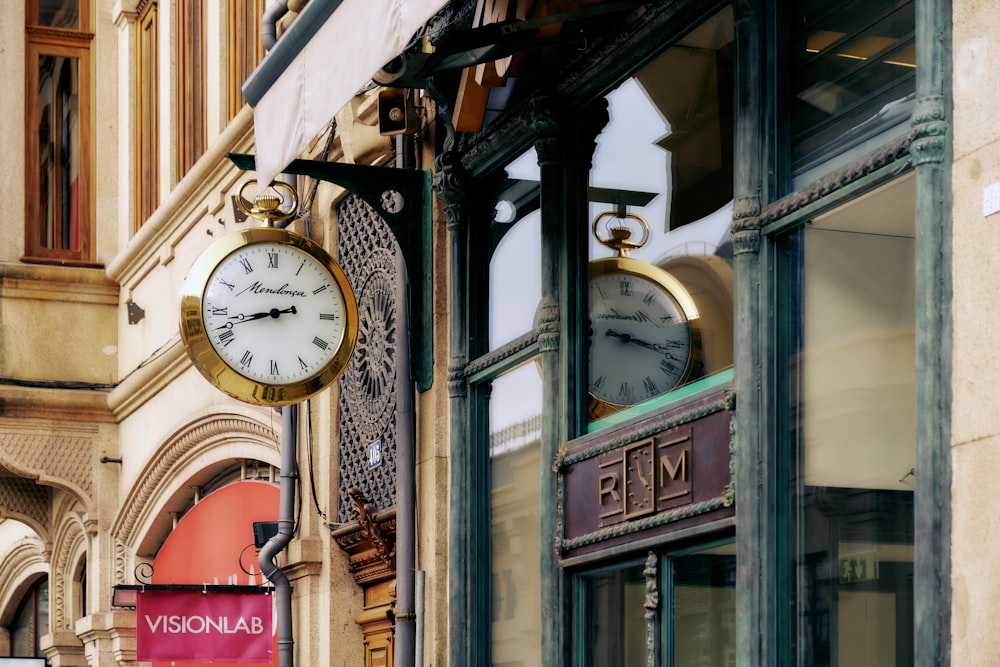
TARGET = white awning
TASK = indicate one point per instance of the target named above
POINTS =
(330, 52)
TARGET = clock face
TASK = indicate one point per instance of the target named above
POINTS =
(273, 321)
(642, 341)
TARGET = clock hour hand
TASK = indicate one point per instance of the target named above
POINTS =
(274, 312)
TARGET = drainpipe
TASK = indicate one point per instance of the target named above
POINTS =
(286, 526)
(269, 23)
(404, 653)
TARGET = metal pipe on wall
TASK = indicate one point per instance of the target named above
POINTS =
(404, 654)
(286, 528)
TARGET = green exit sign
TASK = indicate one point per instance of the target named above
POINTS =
(861, 567)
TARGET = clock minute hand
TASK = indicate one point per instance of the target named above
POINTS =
(628, 338)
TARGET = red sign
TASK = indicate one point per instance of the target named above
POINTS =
(198, 626)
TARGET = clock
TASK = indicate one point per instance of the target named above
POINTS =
(268, 316)
(644, 335)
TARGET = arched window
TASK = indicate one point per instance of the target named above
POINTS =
(31, 621)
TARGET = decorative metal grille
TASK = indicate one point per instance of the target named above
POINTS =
(372, 260)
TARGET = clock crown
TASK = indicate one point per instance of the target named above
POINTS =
(267, 205)
(618, 232)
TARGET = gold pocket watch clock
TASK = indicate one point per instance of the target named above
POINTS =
(644, 336)
(267, 315)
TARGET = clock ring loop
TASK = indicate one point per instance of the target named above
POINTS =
(619, 236)
(265, 205)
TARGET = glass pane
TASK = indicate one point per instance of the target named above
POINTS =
(59, 14)
(664, 164)
(30, 621)
(704, 595)
(515, 473)
(855, 435)
(615, 618)
(853, 75)
(58, 130)
(515, 269)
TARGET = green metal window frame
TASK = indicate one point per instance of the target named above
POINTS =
(764, 206)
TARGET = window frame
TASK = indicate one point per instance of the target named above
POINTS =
(146, 173)
(564, 176)
(190, 87)
(76, 45)
(244, 51)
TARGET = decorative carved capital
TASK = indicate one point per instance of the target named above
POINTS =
(930, 127)
(451, 184)
(456, 379)
(746, 225)
(547, 325)
(544, 123)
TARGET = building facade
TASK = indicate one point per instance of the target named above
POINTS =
(670, 343)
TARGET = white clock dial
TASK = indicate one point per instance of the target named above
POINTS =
(273, 313)
(641, 340)
(268, 317)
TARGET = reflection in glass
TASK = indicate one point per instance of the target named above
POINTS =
(515, 432)
(30, 621)
(704, 602)
(855, 436)
(615, 617)
(853, 77)
(515, 268)
(59, 14)
(58, 129)
(667, 156)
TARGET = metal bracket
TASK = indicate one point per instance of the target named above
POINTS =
(402, 197)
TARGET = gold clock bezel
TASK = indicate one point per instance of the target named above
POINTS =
(214, 368)
(598, 407)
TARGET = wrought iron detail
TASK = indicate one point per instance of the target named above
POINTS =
(372, 261)
(143, 573)
(392, 201)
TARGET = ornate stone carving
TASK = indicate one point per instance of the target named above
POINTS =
(196, 436)
(54, 454)
(26, 500)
